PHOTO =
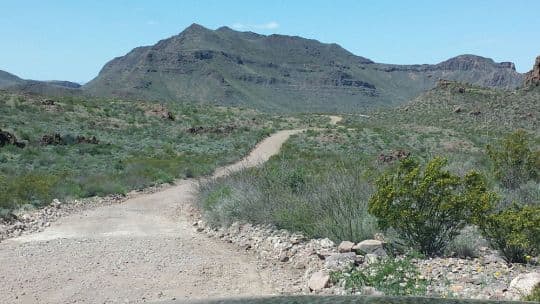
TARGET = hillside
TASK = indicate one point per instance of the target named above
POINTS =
(279, 73)
(8, 79)
(13, 83)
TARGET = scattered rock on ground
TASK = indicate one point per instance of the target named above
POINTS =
(319, 280)
(345, 246)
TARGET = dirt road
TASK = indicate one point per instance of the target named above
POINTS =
(144, 249)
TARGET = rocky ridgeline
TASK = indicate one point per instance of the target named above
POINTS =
(532, 78)
(486, 277)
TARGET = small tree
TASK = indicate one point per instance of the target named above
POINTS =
(513, 160)
(428, 206)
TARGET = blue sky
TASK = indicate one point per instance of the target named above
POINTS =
(72, 40)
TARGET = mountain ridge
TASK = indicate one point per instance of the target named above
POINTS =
(279, 73)
(11, 82)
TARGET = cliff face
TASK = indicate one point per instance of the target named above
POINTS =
(533, 76)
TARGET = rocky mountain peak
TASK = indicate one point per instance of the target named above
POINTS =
(533, 76)
(469, 62)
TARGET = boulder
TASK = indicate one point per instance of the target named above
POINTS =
(523, 284)
(318, 281)
(326, 243)
(7, 138)
(371, 258)
(370, 246)
(340, 261)
(345, 246)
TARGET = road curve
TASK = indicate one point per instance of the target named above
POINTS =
(144, 249)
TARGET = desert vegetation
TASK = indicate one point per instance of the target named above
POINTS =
(79, 147)
(434, 176)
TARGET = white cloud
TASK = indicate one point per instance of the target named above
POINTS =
(272, 25)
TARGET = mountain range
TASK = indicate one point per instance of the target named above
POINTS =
(275, 73)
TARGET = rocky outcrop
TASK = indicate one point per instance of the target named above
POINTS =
(57, 139)
(532, 78)
(7, 138)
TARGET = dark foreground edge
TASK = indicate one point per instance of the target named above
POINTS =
(342, 300)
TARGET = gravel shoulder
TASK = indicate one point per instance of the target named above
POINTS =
(144, 249)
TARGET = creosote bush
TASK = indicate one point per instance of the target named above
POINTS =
(428, 206)
(515, 232)
(514, 162)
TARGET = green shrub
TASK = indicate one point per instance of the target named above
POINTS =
(513, 160)
(393, 276)
(31, 188)
(515, 232)
(428, 206)
(535, 294)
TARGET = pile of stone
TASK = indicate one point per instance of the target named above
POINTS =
(487, 277)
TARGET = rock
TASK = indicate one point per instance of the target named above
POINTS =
(340, 261)
(524, 283)
(371, 291)
(458, 109)
(345, 246)
(456, 288)
(299, 265)
(371, 258)
(326, 243)
(56, 203)
(370, 246)
(52, 139)
(532, 78)
(283, 258)
(7, 138)
(318, 281)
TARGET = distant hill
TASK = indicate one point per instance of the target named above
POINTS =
(279, 73)
(11, 82)
(8, 79)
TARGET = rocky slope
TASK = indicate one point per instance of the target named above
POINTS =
(278, 72)
(533, 76)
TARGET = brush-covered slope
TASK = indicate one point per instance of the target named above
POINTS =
(276, 72)
(8, 79)
(471, 109)
(13, 83)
